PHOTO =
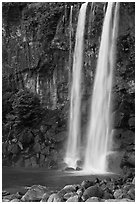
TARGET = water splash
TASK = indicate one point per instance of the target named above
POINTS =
(73, 144)
(99, 127)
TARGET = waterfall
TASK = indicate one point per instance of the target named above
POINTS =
(73, 144)
(70, 44)
(99, 125)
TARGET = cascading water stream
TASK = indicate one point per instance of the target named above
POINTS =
(99, 126)
(73, 144)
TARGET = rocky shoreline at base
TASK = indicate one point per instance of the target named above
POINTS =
(120, 189)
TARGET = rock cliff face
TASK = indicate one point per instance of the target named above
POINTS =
(38, 46)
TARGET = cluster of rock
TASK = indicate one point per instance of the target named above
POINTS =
(120, 189)
(41, 147)
(123, 142)
(40, 155)
(47, 149)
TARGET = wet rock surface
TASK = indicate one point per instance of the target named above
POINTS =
(35, 193)
(47, 148)
(120, 189)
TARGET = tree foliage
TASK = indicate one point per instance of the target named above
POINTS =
(26, 108)
(24, 113)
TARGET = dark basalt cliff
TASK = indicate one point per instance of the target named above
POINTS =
(38, 45)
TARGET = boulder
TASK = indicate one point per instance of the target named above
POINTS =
(73, 199)
(131, 193)
(69, 169)
(93, 199)
(51, 197)
(120, 193)
(70, 188)
(15, 200)
(55, 198)
(68, 195)
(62, 192)
(80, 192)
(45, 197)
(5, 193)
(5, 200)
(92, 191)
(13, 196)
(85, 184)
(35, 193)
(107, 195)
(58, 198)
(119, 200)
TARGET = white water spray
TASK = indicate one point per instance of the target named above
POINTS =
(99, 126)
(73, 144)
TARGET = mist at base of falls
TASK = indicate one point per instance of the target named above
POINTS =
(99, 131)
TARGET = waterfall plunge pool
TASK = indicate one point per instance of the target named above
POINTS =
(16, 179)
